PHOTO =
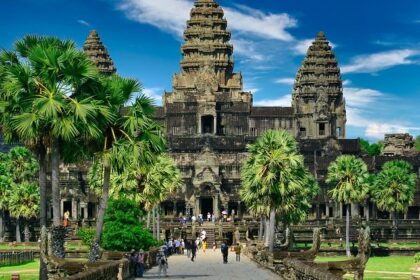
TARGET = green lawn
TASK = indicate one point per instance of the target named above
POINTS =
(392, 267)
(70, 246)
(336, 245)
(27, 271)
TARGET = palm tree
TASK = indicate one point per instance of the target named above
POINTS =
(46, 100)
(5, 183)
(393, 189)
(274, 176)
(24, 204)
(132, 131)
(349, 177)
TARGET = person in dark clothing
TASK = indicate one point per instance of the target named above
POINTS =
(188, 247)
(225, 251)
(193, 250)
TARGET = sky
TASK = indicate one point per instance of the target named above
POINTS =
(377, 44)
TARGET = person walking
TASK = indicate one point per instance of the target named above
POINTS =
(193, 250)
(208, 217)
(140, 264)
(214, 246)
(238, 250)
(188, 247)
(225, 251)
(162, 261)
(204, 246)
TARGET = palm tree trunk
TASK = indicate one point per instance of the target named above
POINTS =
(94, 251)
(272, 229)
(18, 239)
(348, 230)
(55, 182)
(26, 232)
(266, 231)
(59, 231)
(148, 219)
(1, 224)
(154, 221)
(42, 178)
(158, 224)
(394, 226)
(260, 230)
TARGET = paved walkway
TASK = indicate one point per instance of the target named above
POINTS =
(209, 265)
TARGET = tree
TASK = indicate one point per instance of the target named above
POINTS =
(275, 181)
(131, 132)
(18, 188)
(349, 178)
(371, 149)
(122, 230)
(46, 100)
(5, 184)
(393, 189)
(24, 204)
(417, 143)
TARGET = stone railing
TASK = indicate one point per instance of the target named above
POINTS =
(106, 271)
(16, 258)
(295, 269)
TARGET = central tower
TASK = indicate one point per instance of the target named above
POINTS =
(207, 97)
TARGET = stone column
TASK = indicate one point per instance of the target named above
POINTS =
(340, 212)
(216, 211)
(74, 209)
(239, 214)
(197, 206)
(354, 210)
(327, 210)
(317, 212)
(174, 210)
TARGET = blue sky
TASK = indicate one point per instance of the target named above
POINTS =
(377, 44)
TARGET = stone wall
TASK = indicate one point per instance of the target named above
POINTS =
(294, 269)
(108, 271)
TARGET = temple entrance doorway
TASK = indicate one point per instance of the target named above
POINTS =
(206, 206)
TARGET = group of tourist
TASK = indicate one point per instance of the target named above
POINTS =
(136, 259)
(172, 246)
(211, 218)
(191, 247)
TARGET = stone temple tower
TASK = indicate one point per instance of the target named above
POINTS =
(317, 101)
(97, 52)
(206, 89)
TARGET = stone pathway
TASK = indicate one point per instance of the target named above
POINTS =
(209, 265)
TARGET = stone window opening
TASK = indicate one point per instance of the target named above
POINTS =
(338, 131)
(303, 131)
(321, 129)
(207, 124)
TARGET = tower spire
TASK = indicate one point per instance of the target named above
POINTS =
(97, 52)
(318, 100)
(207, 41)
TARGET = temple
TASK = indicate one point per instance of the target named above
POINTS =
(209, 119)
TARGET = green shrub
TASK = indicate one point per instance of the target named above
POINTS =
(122, 229)
(417, 257)
(87, 235)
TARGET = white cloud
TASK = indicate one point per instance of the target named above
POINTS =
(171, 16)
(285, 81)
(301, 47)
(83, 22)
(155, 93)
(378, 130)
(248, 49)
(252, 21)
(283, 101)
(372, 63)
(361, 97)
(346, 82)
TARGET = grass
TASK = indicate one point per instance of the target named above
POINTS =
(392, 267)
(338, 245)
(28, 271)
(70, 246)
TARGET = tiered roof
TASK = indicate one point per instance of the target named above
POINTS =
(319, 69)
(207, 39)
(97, 52)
